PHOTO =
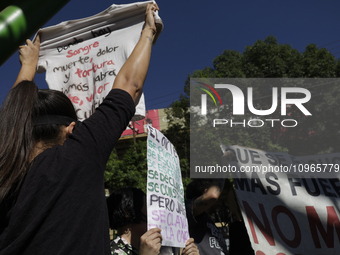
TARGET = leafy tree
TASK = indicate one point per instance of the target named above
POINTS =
(264, 59)
(131, 171)
(267, 59)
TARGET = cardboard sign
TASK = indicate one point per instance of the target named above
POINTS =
(165, 194)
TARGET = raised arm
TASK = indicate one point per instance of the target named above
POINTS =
(209, 198)
(28, 56)
(132, 75)
(211, 195)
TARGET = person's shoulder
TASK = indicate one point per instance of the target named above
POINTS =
(115, 94)
(117, 246)
(46, 159)
(120, 246)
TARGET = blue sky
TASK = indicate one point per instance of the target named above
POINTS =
(195, 32)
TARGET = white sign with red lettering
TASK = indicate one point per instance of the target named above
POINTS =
(82, 57)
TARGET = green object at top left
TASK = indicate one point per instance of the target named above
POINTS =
(13, 23)
(21, 19)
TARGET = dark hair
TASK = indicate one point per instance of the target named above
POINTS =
(196, 187)
(51, 102)
(125, 207)
(18, 135)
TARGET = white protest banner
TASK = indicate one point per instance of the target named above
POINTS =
(82, 57)
(165, 194)
(285, 213)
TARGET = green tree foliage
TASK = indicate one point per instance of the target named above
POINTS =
(264, 59)
(131, 171)
(268, 59)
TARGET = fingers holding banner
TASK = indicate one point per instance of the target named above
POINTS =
(28, 57)
(151, 242)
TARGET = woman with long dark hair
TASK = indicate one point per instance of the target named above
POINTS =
(51, 173)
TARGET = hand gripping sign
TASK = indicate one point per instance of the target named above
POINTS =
(82, 57)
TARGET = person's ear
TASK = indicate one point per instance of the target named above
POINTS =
(69, 128)
(205, 190)
(126, 214)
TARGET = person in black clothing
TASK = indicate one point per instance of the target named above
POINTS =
(208, 238)
(128, 215)
(239, 239)
(201, 195)
(51, 173)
